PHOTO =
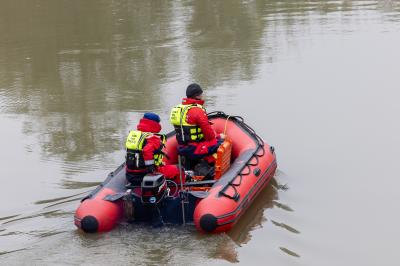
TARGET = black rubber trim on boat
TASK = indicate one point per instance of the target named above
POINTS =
(199, 183)
(89, 224)
(233, 220)
(253, 191)
(261, 181)
(105, 182)
(208, 222)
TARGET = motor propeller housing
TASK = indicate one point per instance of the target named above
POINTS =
(154, 188)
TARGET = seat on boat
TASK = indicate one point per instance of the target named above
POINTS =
(203, 171)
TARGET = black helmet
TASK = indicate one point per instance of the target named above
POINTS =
(193, 90)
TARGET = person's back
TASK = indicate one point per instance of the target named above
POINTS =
(195, 136)
(144, 148)
(144, 152)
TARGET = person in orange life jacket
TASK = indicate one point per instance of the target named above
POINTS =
(144, 151)
(196, 138)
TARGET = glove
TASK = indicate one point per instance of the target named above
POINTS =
(150, 168)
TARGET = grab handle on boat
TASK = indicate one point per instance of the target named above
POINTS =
(235, 196)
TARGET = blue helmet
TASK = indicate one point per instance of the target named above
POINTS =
(152, 116)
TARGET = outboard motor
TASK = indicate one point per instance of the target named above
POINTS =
(154, 188)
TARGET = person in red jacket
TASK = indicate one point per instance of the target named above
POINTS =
(196, 138)
(144, 151)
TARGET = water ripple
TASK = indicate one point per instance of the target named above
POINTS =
(289, 252)
(285, 226)
(12, 251)
(40, 202)
(8, 217)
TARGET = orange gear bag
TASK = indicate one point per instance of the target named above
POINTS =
(223, 160)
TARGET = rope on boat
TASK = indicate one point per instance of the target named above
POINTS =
(226, 123)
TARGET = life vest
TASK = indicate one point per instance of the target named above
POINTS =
(185, 132)
(134, 149)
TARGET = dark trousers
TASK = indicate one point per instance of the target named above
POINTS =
(189, 151)
(191, 158)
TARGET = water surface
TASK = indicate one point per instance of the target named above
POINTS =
(316, 79)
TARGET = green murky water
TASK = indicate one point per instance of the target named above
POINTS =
(317, 79)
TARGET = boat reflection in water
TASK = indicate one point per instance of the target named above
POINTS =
(252, 219)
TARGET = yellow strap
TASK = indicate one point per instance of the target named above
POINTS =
(226, 122)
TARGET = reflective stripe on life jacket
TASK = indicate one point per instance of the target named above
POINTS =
(185, 132)
(158, 154)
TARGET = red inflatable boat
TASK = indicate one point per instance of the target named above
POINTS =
(244, 167)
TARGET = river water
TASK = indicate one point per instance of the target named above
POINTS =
(319, 80)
